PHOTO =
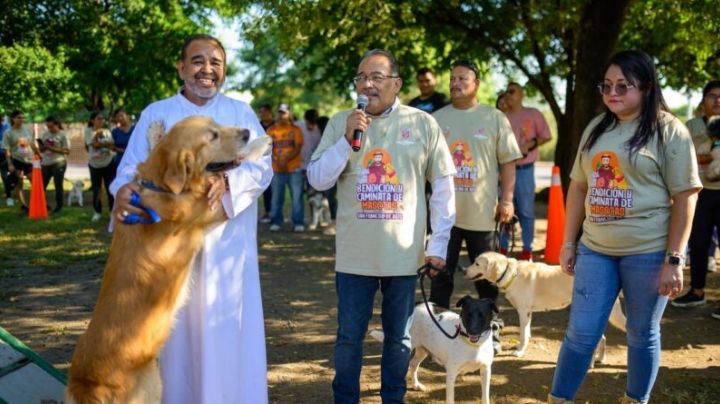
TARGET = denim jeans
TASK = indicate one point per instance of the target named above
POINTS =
(598, 280)
(295, 181)
(356, 294)
(524, 201)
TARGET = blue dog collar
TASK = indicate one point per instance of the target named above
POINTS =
(134, 218)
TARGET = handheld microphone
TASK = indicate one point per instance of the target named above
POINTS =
(362, 102)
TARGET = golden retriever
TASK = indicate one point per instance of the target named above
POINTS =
(148, 266)
(533, 287)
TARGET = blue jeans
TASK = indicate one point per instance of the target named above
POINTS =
(356, 294)
(598, 280)
(524, 201)
(295, 181)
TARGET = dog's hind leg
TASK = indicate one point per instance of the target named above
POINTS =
(525, 321)
(148, 389)
(419, 356)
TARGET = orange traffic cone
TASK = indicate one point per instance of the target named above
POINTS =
(555, 219)
(38, 206)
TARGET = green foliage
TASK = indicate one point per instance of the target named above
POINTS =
(34, 80)
(120, 52)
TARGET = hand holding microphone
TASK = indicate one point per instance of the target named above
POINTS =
(357, 123)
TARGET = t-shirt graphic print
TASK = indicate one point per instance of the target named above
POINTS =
(378, 188)
(609, 192)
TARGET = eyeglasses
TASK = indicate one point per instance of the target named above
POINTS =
(620, 88)
(712, 97)
(375, 78)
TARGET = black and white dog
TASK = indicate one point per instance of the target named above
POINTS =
(470, 351)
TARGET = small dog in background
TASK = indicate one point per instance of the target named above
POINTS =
(76, 193)
(319, 209)
(712, 147)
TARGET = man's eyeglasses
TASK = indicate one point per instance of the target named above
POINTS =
(712, 97)
(620, 88)
(375, 78)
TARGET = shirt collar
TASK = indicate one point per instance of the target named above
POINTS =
(211, 102)
(388, 111)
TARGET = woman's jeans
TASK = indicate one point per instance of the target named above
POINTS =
(598, 280)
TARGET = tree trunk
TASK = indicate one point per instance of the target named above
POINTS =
(600, 27)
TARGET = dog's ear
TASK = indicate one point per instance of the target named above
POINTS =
(178, 171)
(462, 301)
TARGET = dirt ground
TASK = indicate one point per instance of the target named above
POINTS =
(48, 311)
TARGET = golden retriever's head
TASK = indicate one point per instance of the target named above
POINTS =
(180, 160)
(489, 265)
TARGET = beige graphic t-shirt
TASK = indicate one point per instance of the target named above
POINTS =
(480, 139)
(100, 157)
(18, 141)
(698, 132)
(381, 192)
(627, 208)
(58, 139)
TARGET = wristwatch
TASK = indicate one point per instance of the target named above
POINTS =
(675, 258)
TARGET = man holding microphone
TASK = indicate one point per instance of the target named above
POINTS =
(381, 218)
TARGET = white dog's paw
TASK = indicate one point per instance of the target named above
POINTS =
(312, 227)
(519, 353)
(419, 386)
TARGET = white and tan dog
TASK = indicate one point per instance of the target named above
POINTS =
(532, 287)
(319, 210)
(76, 193)
(471, 350)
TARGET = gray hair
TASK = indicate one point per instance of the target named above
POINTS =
(394, 68)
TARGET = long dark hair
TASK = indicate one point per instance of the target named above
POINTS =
(93, 115)
(639, 70)
(55, 120)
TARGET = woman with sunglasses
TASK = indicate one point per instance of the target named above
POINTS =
(633, 189)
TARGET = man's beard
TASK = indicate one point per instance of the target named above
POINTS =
(202, 92)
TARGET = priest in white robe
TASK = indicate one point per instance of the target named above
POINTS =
(216, 351)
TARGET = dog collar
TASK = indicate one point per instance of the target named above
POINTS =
(150, 185)
(466, 336)
(511, 274)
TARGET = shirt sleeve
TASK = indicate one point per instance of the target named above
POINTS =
(324, 171)
(542, 130)
(507, 147)
(680, 169)
(442, 216)
(136, 152)
(248, 181)
(331, 156)
(440, 163)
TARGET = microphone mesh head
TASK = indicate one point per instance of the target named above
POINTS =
(362, 101)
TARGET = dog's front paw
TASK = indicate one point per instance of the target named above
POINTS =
(519, 353)
(419, 386)
(312, 227)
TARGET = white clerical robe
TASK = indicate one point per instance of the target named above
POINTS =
(216, 351)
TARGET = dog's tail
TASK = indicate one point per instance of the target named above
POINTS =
(617, 318)
(378, 335)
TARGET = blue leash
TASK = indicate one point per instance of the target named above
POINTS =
(135, 218)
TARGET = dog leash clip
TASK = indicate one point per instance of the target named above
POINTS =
(133, 218)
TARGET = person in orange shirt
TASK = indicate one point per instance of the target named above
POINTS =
(286, 161)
